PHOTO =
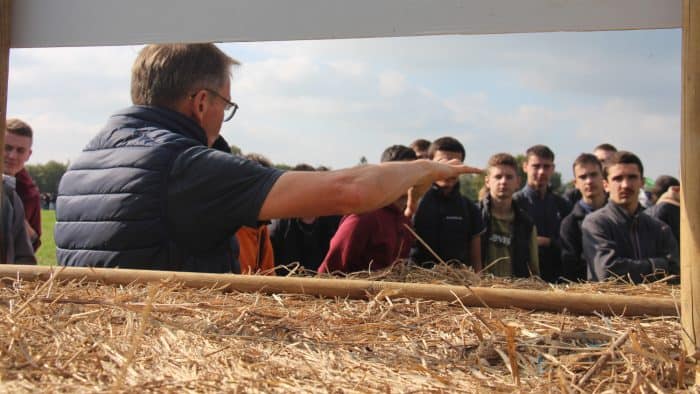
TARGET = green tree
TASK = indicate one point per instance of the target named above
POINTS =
(363, 160)
(470, 184)
(236, 151)
(48, 175)
(282, 166)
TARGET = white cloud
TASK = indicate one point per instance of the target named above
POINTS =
(349, 68)
(391, 83)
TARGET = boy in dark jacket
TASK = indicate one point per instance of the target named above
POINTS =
(621, 241)
(447, 221)
(544, 207)
(588, 179)
(509, 245)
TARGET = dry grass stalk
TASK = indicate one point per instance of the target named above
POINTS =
(603, 359)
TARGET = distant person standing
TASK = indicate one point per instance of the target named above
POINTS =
(588, 179)
(18, 148)
(447, 221)
(667, 203)
(604, 152)
(421, 146)
(544, 207)
(509, 244)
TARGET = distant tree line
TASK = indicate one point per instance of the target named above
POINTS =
(46, 176)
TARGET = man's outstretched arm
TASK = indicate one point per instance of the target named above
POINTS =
(354, 190)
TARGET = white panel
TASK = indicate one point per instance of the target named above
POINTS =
(46, 23)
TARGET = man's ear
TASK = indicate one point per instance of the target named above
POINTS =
(606, 186)
(199, 105)
(525, 165)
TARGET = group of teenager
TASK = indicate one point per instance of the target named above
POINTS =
(599, 229)
(158, 188)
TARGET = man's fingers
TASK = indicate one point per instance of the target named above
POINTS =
(469, 170)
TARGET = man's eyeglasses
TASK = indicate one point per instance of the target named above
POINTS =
(230, 108)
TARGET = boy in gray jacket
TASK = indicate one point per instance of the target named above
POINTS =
(621, 241)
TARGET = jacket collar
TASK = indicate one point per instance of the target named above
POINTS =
(621, 213)
(532, 194)
(514, 206)
(173, 121)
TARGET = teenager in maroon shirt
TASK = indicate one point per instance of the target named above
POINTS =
(372, 240)
(18, 149)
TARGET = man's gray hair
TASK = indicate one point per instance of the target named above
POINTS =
(163, 74)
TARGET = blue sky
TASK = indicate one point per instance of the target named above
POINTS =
(331, 102)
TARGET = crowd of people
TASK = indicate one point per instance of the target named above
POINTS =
(158, 188)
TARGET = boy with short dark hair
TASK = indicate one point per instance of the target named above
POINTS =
(509, 245)
(372, 240)
(588, 179)
(544, 207)
(447, 221)
(420, 146)
(19, 138)
(618, 239)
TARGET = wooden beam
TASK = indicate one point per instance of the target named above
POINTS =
(5, 13)
(47, 23)
(690, 185)
(554, 301)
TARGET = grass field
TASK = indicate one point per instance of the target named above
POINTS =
(46, 255)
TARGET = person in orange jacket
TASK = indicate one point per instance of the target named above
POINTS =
(256, 255)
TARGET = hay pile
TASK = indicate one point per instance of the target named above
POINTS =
(76, 336)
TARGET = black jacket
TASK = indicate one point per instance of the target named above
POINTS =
(521, 231)
(616, 243)
(669, 214)
(573, 263)
(295, 241)
(447, 223)
(547, 215)
(148, 193)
